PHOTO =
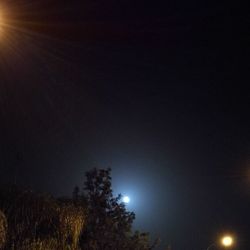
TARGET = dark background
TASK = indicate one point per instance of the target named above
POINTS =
(158, 91)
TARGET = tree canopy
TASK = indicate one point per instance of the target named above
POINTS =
(109, 224)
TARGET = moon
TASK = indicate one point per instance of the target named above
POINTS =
(126, 199)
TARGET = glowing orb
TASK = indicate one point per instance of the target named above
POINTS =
(227, 241)
(126, 199)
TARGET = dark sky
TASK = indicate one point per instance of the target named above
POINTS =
(158, 91)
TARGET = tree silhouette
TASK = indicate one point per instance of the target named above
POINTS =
(109, 224)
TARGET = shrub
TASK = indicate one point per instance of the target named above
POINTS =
(37, 220)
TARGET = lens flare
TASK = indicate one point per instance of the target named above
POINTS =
(1, 22)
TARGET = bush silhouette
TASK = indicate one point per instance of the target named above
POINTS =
(38, 220)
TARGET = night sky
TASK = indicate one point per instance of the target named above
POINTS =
(158, 91)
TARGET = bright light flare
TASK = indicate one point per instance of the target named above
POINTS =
(227, 241)
(126, 199)
(1, 20)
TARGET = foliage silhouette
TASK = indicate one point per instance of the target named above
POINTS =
(36, 220)
(109, 224)
(93, 219)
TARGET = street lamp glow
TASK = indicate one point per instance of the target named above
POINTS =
(227, 241)
(1, 21)
(126, 199)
